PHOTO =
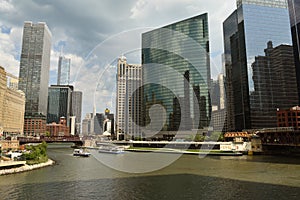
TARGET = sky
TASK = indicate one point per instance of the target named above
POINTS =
(93, 33)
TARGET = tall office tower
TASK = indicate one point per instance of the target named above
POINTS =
(77, 109)
(274, 76)
(87, 124)
(294, 10)
(59, 103)
(128, 103)
(246, 33)
(98, 123)
(34, 75)
(176, 76)
(63, 76)
(34, 67)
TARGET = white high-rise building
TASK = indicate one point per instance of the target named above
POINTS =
(35, 66)
(128, 104)
(63, 76)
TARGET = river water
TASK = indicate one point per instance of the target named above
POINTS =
(189, 177)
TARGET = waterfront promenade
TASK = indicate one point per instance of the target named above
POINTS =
(24, 167)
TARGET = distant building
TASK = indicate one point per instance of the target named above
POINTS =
(59, 103)
(59, 129)
(246, 32)
(10, 144)
(12, 108)
(13, 81)
(63, 76)
(34, 70)
(275, 85)
(128, 103)
(218, 115)
(76, 110)
(109, 117)
(88, 124)
(294, 10)
(289, 117)
(98, 123)
(35, 125)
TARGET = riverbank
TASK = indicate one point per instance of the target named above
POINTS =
(26, 168)
(188, 151)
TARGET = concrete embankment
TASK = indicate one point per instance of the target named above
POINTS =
(26, 168)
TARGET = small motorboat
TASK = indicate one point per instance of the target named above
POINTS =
(81, 152)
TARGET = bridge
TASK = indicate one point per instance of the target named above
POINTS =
(279, 137)
(61, 139)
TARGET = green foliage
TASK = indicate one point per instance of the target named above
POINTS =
(47, 134)
(199, 138)
(36, 153)
(216, 136)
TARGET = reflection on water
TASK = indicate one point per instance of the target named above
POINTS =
(257, 177)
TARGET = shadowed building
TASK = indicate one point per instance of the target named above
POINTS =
(246, 33)
(275, 85)
(294, 10)
(59, 103)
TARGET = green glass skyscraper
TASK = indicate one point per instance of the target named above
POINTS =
(176, 74)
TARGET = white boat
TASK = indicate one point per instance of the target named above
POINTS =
(113, 149)
(81, 152)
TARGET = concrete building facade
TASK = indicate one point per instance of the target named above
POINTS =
(12, 108)
(34, 71)
(128, 103)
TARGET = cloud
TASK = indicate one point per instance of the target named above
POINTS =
(10, 51)
(80, 26)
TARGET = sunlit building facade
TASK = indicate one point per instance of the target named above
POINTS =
(63, 76)
(34, 75)
(35, 66)
(128, 103)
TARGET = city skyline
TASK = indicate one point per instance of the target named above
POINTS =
(88, 103)
(79, 38)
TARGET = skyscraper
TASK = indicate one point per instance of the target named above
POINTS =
(129, 79)
(34, 67)
(275, 86)
(176, 76)
(246, 33)
(59, 103)
(77, 109)
(34, 75)
(294, 10)
(63, 76)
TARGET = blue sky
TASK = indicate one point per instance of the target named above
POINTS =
(81, 26)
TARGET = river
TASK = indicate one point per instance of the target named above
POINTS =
(189, 177)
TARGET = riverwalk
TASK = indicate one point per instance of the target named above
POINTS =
(22, 168)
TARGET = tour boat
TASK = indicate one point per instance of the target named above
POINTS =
(113, 149)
